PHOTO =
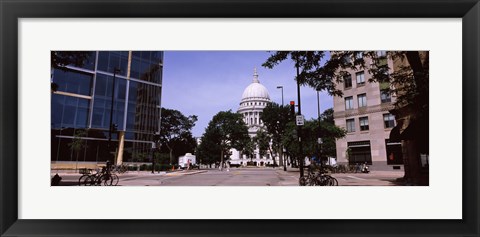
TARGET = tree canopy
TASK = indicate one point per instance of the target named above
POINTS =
(409, 82)
(262, 142)
(175, 132)
(225, 131)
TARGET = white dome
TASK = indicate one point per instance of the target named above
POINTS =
(255, 90)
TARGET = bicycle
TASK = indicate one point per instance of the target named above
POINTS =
(318, 179)
(102, 178)
(85, 174)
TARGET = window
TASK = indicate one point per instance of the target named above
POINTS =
(363, 123)
(347, 81)
(359, 152)
(103, 100)
(358, 55)
(346, 59)
(362, 100)
(389, 120)
(109, 60)
(350, 125)
(385, 97)
(394, 153)
(349, 102)
(360, 78)
(73, 81)
(382, 58)
(69, 112)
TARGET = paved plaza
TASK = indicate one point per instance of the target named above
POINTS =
(240, 177)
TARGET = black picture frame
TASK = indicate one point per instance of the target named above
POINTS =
(11, 11)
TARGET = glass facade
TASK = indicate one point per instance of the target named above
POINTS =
(83, 101)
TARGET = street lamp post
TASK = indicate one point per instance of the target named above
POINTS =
(282, 160)
(110, 130)
(281, 87)
(319, 137)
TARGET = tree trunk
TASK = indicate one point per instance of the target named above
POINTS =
(221, 160)
(171, 153)
(76, 163)
(273, 157)
(282, 162)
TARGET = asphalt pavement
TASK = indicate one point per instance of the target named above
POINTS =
(239, 177)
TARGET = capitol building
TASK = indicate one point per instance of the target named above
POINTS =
(254, 99)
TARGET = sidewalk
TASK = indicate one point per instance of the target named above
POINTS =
(138, 173)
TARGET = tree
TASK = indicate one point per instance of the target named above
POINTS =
(249, 149)
(327, 116)
(209, 149)
(262, 142)
(310, 133)
(227, 130)
(409, 83)
(275, 118)
(60, 59)
(78, 143)
(175, 131)
(312, 72)
(329, 134)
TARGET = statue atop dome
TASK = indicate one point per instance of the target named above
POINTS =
(255, 76)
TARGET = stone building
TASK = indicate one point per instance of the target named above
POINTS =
(254, 99)
(364, 112)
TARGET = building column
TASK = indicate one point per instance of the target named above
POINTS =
(121, 140)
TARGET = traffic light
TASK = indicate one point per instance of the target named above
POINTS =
(292, 108)
(114, 127)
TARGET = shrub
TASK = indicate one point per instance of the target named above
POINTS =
(145, 167)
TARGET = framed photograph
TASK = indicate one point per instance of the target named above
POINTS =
(117, 69)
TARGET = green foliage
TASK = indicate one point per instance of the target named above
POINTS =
(262, 140)
(312, 73)
(209, 149)
(276, 118)
(145, 167)
(249, 149)
(226, 130)
(175, 132)
(78, 143)
(311, 131)
(60, 59)
(409, 82)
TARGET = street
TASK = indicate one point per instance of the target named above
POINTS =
(240, 177)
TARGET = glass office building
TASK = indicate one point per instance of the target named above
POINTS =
(82, 113)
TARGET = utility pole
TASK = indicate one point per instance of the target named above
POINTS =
(299, 128)
(110, 128)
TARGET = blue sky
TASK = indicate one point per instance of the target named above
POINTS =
(203, 83)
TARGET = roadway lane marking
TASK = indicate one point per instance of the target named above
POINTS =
(353, 177)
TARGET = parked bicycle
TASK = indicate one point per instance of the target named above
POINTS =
(317, 179)
(99, 178)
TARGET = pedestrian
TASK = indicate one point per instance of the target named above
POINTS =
(365, 168)
(108, 166)
(56, 180)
